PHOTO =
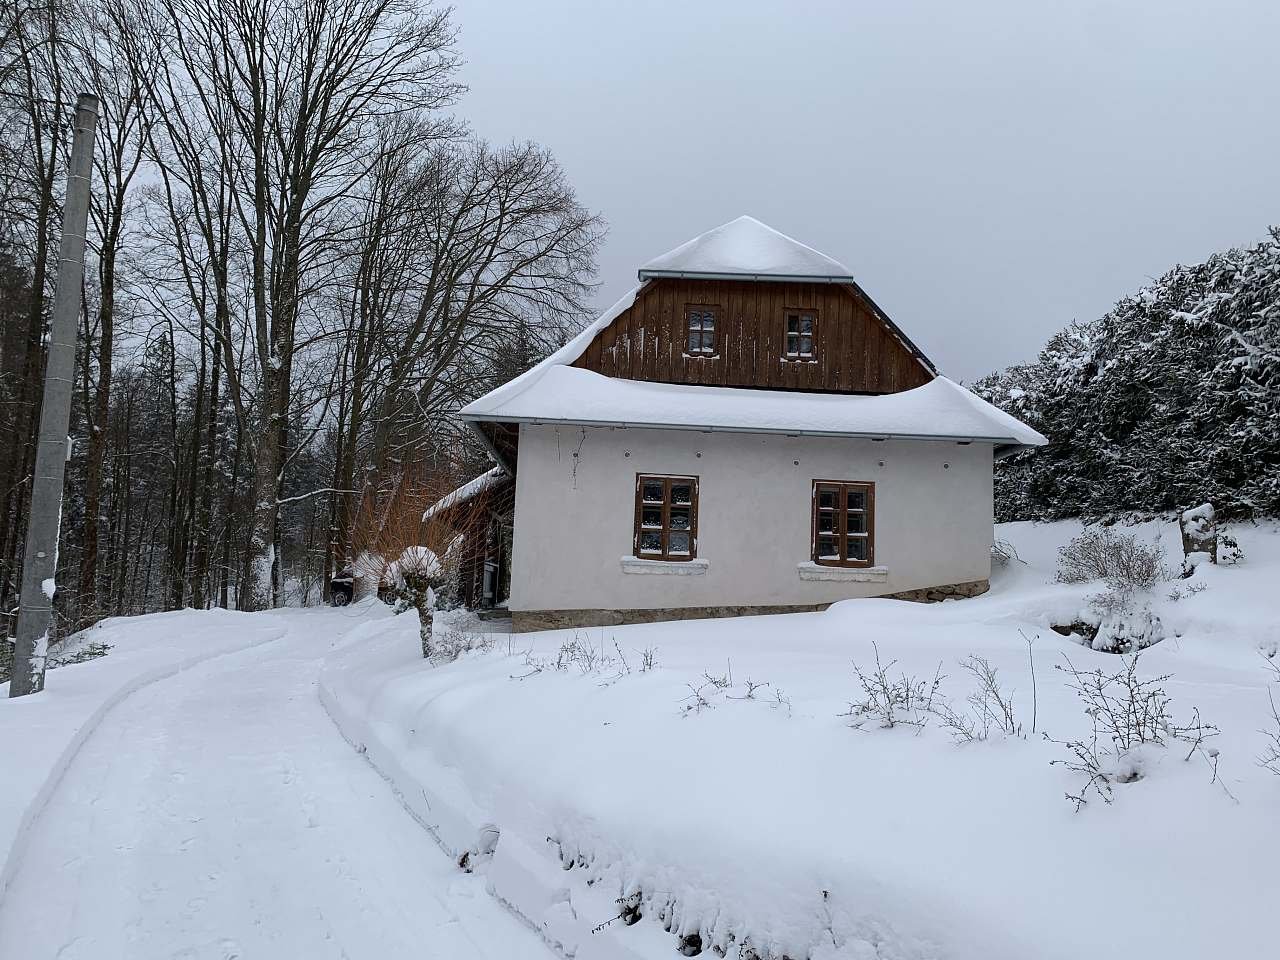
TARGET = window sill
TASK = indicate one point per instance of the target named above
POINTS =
(678, 568)
(700, 356)
(813, 571)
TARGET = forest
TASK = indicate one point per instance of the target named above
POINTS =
(300, 260)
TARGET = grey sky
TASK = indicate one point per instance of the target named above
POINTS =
(989, 169)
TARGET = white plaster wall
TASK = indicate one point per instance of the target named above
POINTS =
(574, 515)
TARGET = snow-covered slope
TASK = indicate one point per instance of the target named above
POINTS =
(751, 817)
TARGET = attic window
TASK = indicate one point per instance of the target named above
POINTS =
(666, 523)
(701, 323)
(843, 523)
(800, 327)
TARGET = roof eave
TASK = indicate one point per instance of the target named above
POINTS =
(999, 442)
(758, 277)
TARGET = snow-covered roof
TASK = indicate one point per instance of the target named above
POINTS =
(939, 410)
(748, 249)
(466, 492)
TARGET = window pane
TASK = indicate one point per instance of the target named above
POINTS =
(695, 341)
(857, 499)
(653, 491)
(826, 499)
(651, 517)
(857, 548)
(793, 323)
(678, 543)
(708, 321)
(857, 523)
(650, 542)
(709, 340)
(679, 518)
(806, 345)
(681, 493)
(828, 548)
(826, 523)
(806, 324)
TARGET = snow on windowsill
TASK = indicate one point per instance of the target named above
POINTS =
(812, 571)
(685, 568)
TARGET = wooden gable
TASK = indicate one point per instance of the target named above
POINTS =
(856, 349)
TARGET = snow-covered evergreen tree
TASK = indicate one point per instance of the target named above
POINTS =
(1169, 400)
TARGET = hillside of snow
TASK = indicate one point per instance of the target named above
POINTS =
(714, 787)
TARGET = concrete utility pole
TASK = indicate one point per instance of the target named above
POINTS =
(40, 554)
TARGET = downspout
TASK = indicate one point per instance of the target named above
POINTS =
(489, 447)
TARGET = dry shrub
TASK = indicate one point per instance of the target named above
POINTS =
(1102, 553)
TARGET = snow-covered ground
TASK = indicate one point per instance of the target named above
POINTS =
(189, 794)
(763, 823)
(214, 811)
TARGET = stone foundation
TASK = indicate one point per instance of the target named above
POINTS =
(526, 621)
(948, 591)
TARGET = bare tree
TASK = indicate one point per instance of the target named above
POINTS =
(466, 250)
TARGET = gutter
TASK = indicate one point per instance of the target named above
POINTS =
(1002, 443)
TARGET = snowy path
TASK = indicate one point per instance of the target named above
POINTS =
(220, 814)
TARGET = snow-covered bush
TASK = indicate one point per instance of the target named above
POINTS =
(1125, 622)
(411, 582)
(1129, 718)
(1229, 550)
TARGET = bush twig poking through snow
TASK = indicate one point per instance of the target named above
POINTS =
(906, 701)
(1128, 716)
(1002, 552)
(1270, 759)
(1120, 559)
(990, 707)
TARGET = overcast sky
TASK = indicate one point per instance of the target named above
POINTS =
(990, 170)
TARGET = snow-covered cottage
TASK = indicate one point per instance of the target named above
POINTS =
(744, 432)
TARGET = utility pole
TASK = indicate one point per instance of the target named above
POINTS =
(40, 552)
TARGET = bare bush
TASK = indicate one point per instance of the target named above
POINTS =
(448, 645)
(990, 707)
(1003, 552)
(1270, 759)
(1101, 553)
(1128, 715)
(647, 660)
(576, 653)
(890, 702)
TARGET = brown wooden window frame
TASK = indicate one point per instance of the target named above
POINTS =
(789, 338)
(840, 522)
(708, 344)
(664, 528)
